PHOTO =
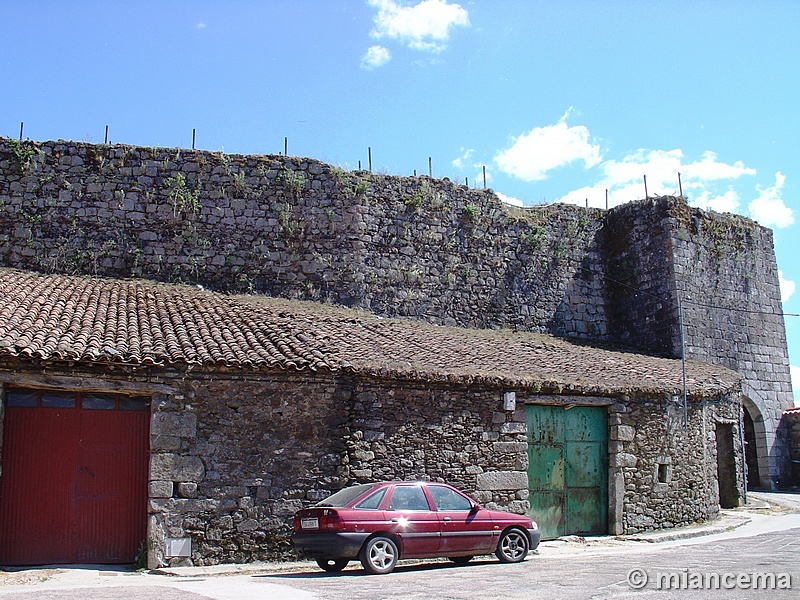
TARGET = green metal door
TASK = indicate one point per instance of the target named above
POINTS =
(568, 469)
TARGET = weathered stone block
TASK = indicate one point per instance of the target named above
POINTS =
(508, 447)
(187, 489)
(503, 480)
(622, 459)
(623, 433)
(481, 497)
(160, 489)
(514, 428)
(165, 443)
(182, 424)
(176, 468)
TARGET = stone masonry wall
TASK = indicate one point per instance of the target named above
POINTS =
(233, 459)
(639, 286)
(299, 228)
(233, 455)
(462, 436)
(791, 425)
(653, 432)
(661, 252)
(727, 277)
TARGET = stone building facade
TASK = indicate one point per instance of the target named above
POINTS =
(260, 406)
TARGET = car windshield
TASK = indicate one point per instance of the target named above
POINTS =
(345, 496)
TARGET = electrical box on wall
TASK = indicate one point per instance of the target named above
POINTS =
(179, 547)
(509, 401)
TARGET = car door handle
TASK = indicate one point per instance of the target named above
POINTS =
(395, 520)
(447, 519)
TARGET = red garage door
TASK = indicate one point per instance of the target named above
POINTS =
(74, 481)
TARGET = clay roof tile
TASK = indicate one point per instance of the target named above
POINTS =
(55, 317)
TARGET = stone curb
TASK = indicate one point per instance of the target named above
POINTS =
(668, 536)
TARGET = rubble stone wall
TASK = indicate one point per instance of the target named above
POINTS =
(727, 279)
(298, 228)
(232, 459)
(668, 460)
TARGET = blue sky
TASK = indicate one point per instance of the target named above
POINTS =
(558, 100)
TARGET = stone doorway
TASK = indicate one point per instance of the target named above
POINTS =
(756, 450)
(750, 451)
(726, 466)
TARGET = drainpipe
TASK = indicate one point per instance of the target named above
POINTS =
(744, 452)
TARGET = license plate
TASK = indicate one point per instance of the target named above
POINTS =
(312, 523)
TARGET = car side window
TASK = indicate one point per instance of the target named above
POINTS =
(408, 497)
(447, 499)
(373, 501)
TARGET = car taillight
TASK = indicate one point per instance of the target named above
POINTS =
(296, 523)
(331, 521)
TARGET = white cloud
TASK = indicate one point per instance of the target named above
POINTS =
(787, 287)
(542, 149)
(201, 25)
(769, 208)
(727, 202)
(376, 56)
(705, 182)
(510, 200)
(795, 371)
(709, 168)
(424, 26)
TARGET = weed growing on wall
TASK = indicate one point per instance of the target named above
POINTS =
(239, 183)
(286, 218)
(470, 212)
(183, 199)
(293, 181)
(22, 153)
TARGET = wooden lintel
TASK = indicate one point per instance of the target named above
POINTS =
(82, 383)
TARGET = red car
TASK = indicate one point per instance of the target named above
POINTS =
(379, 523)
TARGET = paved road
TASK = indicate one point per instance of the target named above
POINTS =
(596, 570)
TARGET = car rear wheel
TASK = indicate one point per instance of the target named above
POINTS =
(512, 547)
(460, 560)
(332, 565)
(379, 555)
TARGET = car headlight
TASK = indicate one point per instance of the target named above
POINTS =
(534, 525)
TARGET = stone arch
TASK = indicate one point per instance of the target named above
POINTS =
(758, 440)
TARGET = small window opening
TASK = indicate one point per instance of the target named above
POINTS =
(663, 472)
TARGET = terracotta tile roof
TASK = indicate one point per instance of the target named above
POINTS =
(57, 317)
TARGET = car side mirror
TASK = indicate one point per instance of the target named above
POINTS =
(474, 508)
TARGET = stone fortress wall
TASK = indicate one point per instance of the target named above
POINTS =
(410, 246)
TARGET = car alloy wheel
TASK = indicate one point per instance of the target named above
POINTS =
(332, 565)
(379, 555)
(512, 547)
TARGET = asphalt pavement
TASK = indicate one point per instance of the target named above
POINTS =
(763, 511)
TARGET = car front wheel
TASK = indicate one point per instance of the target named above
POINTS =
(332, 565)
(512, 547)
(379, 555)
